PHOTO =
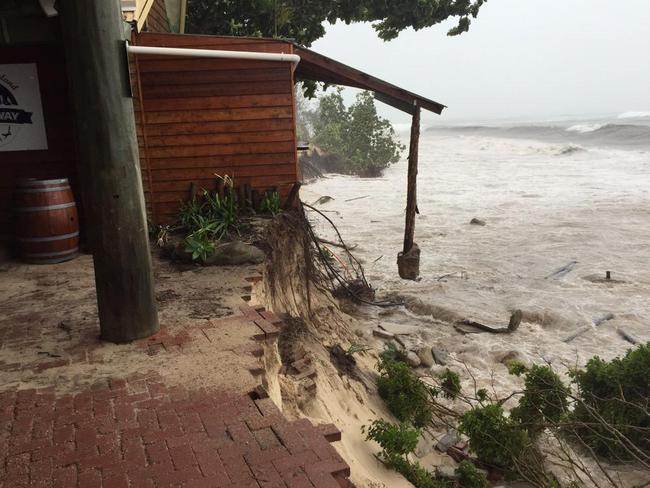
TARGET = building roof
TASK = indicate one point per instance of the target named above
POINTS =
(138, 10)
(316, 67)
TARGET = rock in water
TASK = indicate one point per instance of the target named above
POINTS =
(507, 357)
(440, 356)
(476, 221)
(426, 357)
(413, 360)
(235, 253)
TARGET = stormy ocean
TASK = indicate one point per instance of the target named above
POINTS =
(568, 194)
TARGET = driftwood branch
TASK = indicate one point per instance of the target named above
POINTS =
(559, 273)
(466, 326)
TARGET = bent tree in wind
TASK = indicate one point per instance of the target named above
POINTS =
(302, 20)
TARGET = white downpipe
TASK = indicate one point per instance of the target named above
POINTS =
(212, 53)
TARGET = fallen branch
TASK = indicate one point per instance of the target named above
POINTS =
(601, 320)
(628, 337)
(465, 325)
(577, 333)
(462, 275)
(567, 268)
(356, 198)
(597, 321)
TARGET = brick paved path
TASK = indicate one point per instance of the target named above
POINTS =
(139, 433)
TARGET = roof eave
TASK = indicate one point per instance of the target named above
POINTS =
(331, 71)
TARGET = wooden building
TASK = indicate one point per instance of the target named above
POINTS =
(202, 106)
(198, 117)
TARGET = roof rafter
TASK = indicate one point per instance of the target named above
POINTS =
(316, 67)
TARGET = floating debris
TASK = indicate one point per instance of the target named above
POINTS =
(476, 221)
(564, 270)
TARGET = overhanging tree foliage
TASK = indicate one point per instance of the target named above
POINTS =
(302, 20)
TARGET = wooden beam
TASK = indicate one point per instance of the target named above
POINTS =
(109, 171)
(409, 108)
(312, 64)
(411, 195)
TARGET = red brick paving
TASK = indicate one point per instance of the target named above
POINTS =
(139, 433)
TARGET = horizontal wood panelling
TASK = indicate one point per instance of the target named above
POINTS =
(229, 126)
(220, 161)
(190, 65)
(190, 89)
(238, 101)
(233, 171)
(201, 117)
(223, 138)
(215, 76)
(260, 113)
(219, 149)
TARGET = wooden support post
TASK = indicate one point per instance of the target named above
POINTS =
(109, 169)
(408, 261)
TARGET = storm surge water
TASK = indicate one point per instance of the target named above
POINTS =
(550, 194)
(629, 130)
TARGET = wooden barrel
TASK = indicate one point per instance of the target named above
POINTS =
(46, 221)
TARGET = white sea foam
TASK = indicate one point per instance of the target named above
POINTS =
(634, 115)
(585, 128)
(542, 210)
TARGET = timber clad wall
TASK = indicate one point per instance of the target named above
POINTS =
(198, 117)
(157, 18)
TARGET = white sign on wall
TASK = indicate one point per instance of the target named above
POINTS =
(22, 127)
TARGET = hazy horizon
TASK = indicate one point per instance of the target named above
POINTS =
(520, 61)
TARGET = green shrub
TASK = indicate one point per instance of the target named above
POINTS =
(496, 439)
(406, 396)
(417, 475)
(397, 441)
(271, 203)
(207, 219)
(394, 439)
(211, 214)
(391, 353)
(200, 246)
(516, 368)
(450, 383)
(470, 477)
(615, 392)
(544, 400)
(221, 209)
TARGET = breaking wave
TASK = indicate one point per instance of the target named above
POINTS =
(634, 133)
(584, 128)
(634, 115)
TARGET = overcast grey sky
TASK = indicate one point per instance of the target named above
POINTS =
(522, 59)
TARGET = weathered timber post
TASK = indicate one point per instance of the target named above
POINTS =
(408, 261)
(109, 169)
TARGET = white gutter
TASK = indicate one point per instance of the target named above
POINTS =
(212, 53)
